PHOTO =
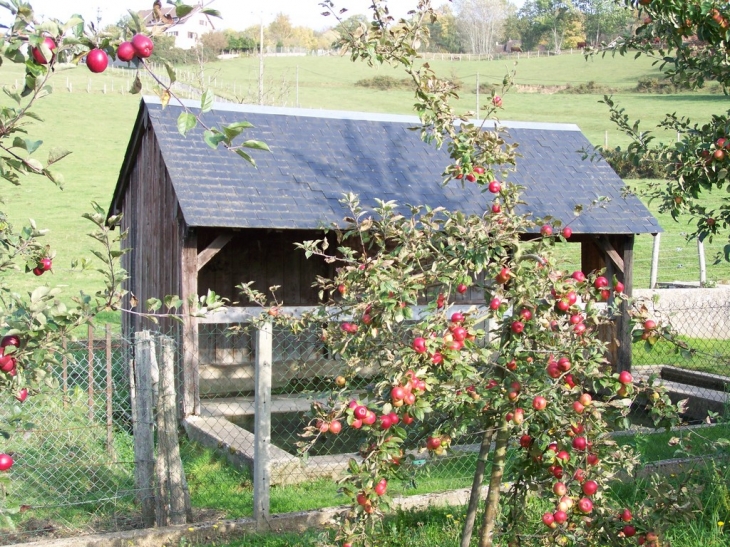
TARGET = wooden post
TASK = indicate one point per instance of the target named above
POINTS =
(173, 497)
(655, 260)
(90, 356)
(703, 267)
(262, 426)
(144, 459)
(64, 373)
(190, 397)
(623, 324)
(109, 390)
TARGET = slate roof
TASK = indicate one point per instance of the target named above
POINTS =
(319, 155)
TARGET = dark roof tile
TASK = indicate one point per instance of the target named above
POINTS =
(317, 156)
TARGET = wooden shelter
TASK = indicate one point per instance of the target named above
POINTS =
(202, 219)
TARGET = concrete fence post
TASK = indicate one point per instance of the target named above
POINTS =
(262, 427)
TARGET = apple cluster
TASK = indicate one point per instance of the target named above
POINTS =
(45, 264)
(97, 59)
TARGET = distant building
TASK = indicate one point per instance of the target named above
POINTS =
(186, 30)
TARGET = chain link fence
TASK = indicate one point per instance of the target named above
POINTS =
(75, 462)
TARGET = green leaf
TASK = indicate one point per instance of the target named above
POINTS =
(258, 145)
(213, 138)
(153, 304)
(171, 72)
(246, 157)
(12, 94)
(206, 101)
(211, 12)
(27, 144)
(56, 154)
(185, 122)
(181, 10)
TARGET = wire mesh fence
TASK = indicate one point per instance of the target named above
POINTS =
(75, 460)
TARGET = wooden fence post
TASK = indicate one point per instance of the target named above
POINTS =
(262, 425)
(143, 433)
(173, 497)
(109, 389)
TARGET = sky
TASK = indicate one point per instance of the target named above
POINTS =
(237, 14)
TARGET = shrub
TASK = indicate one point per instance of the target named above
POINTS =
(382, 82)
(587, 88)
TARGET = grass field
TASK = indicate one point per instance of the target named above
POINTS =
(97, 126)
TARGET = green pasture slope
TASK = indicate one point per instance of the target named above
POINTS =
(96, 126)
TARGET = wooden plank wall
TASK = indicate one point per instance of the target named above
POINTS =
(153, 220)
(267, 257)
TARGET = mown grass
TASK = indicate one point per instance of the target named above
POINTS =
(441, 527)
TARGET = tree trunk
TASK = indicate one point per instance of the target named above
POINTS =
(474, 497)
(491, 511)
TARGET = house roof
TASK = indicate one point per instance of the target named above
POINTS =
(316, 156)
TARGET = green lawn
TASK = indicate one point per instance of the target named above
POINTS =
(97, 126)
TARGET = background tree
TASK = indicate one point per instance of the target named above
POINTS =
(548, 20)
(215, 42)
(603, 20)
(444, 33)
(280, 30)
(480, 23)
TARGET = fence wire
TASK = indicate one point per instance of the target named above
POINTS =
(75, 463)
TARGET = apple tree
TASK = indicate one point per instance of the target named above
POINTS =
(689, 41)
(527, 369)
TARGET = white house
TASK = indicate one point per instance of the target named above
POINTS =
(186, 30)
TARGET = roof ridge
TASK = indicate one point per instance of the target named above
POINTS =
(359, 116)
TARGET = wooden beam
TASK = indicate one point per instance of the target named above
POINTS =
(612, 253)
(213, 249)
(623, 326)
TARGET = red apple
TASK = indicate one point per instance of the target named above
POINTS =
(495, 187)
(494, 304)
(560, 516)
(38, 56)
(625, 377)
(563, 456)
(142, 45)
(626, 515)
(629, 531)
(38, 271)
(6, 462)
(381, 487)
(525, 441)
(578, 407)
(97, 61)
(360, 412)
(10, 340)
(579, 276)
(519, 416)
(590, 488)
(580, 443)
(552, 370)
(525, 314)
(517, 327)
(433, 443)
(592, 459)
(548, 520)
(497, 101)
(567, 232)
(470, 177)
(362, 499)
(585, 399)
(437, 358)
(600, 282)
(649, 325)
(539, 403)
(22, 395)
(560, 489)
(408, 419)
(496, 208)
(356, 424)
(618, 287)
(397, 393)
(546, 230)
(419, 344)
(46, 264)
(585, 505)
(563, 364)
(335, 427)
(459, 334)
(125, 52)
(457, 317)
(461, 288)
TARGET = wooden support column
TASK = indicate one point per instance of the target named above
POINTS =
(623, 328)
(190, 397)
